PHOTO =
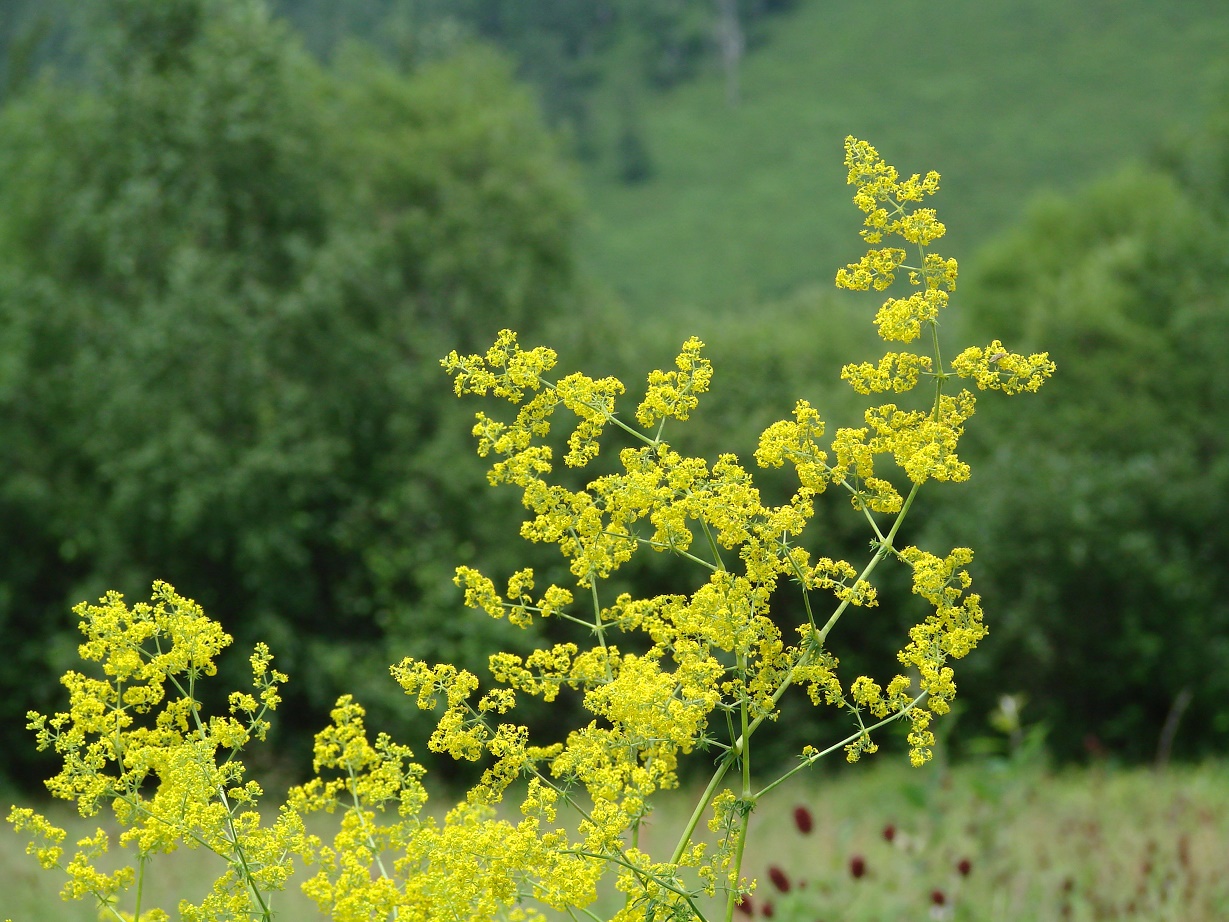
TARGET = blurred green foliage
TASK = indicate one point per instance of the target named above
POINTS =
(228, 275)
(571, 51)
(1099, 510)
(1003, 99)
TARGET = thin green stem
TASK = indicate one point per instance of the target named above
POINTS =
(934, 339)
(811, 760)
(232, 834)
(701, 806)
(104, 903)
(748, 799)
(587, 912)
(566, 617)
(665, 547)
(362, 821)
(885, 547)
(744, 751)
(882, 551)
(732, 895)
(712, 546)
(643, 876)
(806, 595)
(598, 627)
(142, 860)
(844, 482)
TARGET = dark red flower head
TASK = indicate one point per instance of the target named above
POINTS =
(744, 905)
(938, 897)
(889, 832)
(802, 819)
(779, 879)
(964, 867)
(857, 866)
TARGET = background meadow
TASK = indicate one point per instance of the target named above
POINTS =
(998, 840)
(235, 237)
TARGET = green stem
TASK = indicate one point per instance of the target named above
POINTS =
(142, 859)
(587, 912)
(698, 812)
(811, 760)
(748, 803)
(657, 545)
(744, 751)
(732, 896)
(643, 875)
(712, 546)
(362, 821)
(232, 834)
(598, 627)
(806, 596)
(882, 551)
(934, 339)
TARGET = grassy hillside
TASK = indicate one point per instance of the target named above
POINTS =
(1004, 99)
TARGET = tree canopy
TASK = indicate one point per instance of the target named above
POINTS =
(228, 275)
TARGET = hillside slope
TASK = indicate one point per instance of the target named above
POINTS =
(1004, 99)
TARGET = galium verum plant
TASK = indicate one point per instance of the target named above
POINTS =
(711, 670)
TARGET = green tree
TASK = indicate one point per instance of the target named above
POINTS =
(574, 52)
(228, 276)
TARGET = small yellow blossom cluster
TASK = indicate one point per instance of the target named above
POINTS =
(887, 202)
(882, 196)
(135, 740)
(996, 369)
(674, 394)
(896, 371)
(519, 607)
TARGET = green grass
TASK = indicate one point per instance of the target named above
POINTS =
(1004, 99)
(1078, 845)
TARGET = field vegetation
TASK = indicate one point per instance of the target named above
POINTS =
(233, 247)
(1104, 843)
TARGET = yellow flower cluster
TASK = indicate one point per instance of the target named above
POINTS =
(996, 369)
(674, 394)
(717, 651)
(136, 741)
(519, 607)
(388, 860)
(896, 371)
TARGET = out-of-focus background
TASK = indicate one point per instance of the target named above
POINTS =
(235, 238)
